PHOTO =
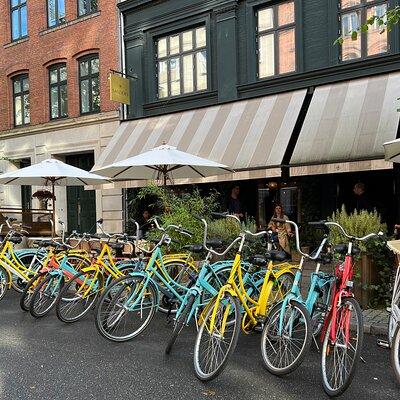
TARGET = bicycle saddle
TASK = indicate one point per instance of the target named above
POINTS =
(214, 243)
(44, 243)
(15, 239)
(342, 249)
(116, 246)
(325, 258)
(194, 248)
(258, 260)
(276, 255)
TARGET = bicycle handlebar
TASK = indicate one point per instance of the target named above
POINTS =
(351, 237)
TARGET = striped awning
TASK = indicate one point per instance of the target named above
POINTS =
(349, 121)
(242, 135)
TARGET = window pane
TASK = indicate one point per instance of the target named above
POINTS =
(27, 114)
(200, 37)
(187, 40)
(18, 110)
(15, 25)
(93, 5)
(162, 47)
(84, 68)
(85, 96)
(53, 76)
(174, 44)
(376, 41)
(287, 51)
(351, 49)
(265, 19)
(96, 94)
(82, 7)
(54, 102)
(162, 79)
(24, 22)
(349, 3)
(51, 5)
(266, 56)
(25, 84)
(188, 74)
(14, 3)
(95, 66)
(286, 13)
(17, 86)
(64, 101)
(201, 69)
(63, 74)
(174, 68)
(61, 10)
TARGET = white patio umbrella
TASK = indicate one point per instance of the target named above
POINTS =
(392, 150)
(51, 172)
(161, 162)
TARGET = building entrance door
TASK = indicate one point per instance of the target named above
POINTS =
(81, 203)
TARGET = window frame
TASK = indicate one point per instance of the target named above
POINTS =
(18, 7)
(362, 7)
(58, 22)
(275, 31)
(22, 93)
(88, 77)
(58, 85)
(87, 13)
(180, 54)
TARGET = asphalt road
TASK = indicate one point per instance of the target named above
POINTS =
(48, 360)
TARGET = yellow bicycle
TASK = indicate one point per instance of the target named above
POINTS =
(221, 321)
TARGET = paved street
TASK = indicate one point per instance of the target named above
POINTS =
(45, 359)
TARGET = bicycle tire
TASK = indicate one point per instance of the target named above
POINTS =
(179, 324)
(37, 296)
(274, 364)
(198, 353)
(4, 282)
(338, 390)
(395, 353)
(65, 306)
(27, 293)
(111, 301)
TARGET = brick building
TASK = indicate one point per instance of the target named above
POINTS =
(55, 58)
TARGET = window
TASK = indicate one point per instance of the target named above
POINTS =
(58, 91)
(86, 7)
(182, 63)
(89, 84)
(19, 20)
(22, 114)
(55, 12)
(276, 40)
(354, 13)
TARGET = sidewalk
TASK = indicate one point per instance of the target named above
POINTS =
(375, 321)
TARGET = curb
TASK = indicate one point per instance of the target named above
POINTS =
(376, 329)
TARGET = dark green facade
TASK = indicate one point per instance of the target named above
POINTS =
(232, 59)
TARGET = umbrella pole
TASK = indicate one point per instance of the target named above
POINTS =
(54, 210)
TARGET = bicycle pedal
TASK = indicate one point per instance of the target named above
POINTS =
(382, 343)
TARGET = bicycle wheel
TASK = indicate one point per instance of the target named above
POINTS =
(340, 355)
(395, 353)
(320, 308)
(26, 297)
(284, 345)
(179, 324)
(3, 282)
(282, 286)
(181, 273)
(213, 348)
(26, 260)
(78, 296)
(126, 308)
(45, 295)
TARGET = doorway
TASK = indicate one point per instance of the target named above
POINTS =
(81, 203)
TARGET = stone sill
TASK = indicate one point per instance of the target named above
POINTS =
(19, 41)
(69, 23)
(62, 124)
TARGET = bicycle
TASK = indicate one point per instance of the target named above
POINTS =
(194, 298)
(221, 320)
(286, 337)
(342, 334)
(393, 340)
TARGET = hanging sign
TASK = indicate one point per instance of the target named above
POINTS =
(120, 89)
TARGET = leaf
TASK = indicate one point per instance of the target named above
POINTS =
(338, 41)
(364, 28)
(354, 35)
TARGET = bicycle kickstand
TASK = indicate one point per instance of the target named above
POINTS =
(316, 343)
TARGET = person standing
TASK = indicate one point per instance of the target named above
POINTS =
(234, 204)
(361, 200)
(283, 230)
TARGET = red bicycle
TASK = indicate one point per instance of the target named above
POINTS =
(342, 334)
